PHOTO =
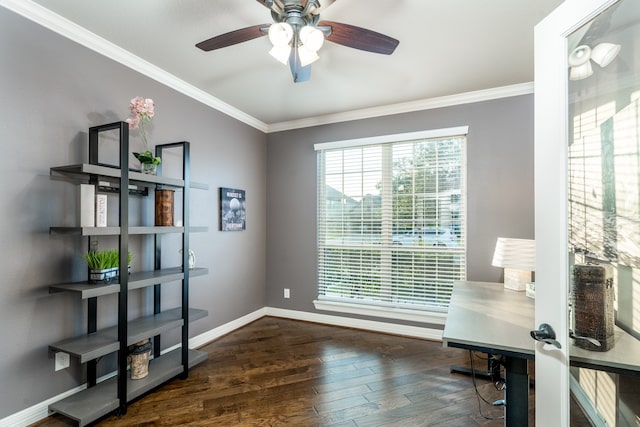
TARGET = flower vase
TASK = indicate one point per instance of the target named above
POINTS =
(149, 168)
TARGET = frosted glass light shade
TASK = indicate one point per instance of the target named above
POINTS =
(580, 55)
(311, 38)
(281, 53)
(581, 72)
(604, 53)
(280, 34)
(307, 56)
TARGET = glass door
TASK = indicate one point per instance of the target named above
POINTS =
(588, 210)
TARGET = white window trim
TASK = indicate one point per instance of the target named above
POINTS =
(432, 316)
(427, 134)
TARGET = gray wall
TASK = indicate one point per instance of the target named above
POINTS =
(51, 91)
(499, 185)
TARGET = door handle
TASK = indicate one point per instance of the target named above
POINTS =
(580, 337)
(545, 334)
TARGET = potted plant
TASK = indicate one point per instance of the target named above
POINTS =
(142, 110)
(148, 160)
(104, 265)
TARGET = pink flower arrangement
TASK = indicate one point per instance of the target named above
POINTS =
(142, 110)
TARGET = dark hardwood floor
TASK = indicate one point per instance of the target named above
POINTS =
(278, 372)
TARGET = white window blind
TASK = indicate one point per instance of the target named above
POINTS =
(391, 221)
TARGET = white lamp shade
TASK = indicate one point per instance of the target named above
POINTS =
(281, 53)
(604, 53)
(307, 56)
(581, 71)
(280, 34)
(517, 254)
(311, 38)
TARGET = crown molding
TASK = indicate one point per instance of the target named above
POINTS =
(66, 28)
(406, 107)
(58, 24)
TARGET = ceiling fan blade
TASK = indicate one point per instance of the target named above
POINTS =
(360, 38)
(233, 37)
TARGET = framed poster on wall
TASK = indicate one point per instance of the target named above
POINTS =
(232, 210)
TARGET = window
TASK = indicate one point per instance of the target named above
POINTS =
(391, 221)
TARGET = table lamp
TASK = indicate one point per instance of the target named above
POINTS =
(518, 258)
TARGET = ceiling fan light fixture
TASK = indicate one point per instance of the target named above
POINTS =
(579, 56)
(297, 34)
(312, 38)
(281, 53)
(307, 56)
(604, 53)
(581, 71)
(280, 34)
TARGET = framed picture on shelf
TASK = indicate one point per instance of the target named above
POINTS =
(232, 210)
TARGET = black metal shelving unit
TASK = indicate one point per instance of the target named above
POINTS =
(102, 398)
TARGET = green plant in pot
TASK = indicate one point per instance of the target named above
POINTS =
(104, 266)
(148, 160)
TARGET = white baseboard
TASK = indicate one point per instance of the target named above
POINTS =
(222, 330)
(348, 322)
(40, 410)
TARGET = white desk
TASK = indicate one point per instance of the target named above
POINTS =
(623, 358)
(488, 318)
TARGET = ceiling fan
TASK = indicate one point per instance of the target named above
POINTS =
(298, 33)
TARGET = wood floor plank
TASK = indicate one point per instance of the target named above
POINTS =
(279, 372)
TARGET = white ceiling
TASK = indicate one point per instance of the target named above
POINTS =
(447, 47)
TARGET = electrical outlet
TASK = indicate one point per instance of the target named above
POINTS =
(287, 293)
(62, 360)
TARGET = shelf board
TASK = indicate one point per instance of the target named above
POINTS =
(115, 231)
(155, 230)
(90, 404)
(136, 281)
(84, 170)
(110, 174)
(198, 271)
(85, 289)
(86, 231)
(90, 346)
(138, 177)
(105, 341)
(150, 278)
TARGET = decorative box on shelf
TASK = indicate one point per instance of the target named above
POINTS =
(593, 306)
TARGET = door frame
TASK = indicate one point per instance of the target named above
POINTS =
(551, 200)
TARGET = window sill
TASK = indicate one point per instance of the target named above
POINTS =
(430, 317)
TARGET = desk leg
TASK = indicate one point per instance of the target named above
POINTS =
(517, 393)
